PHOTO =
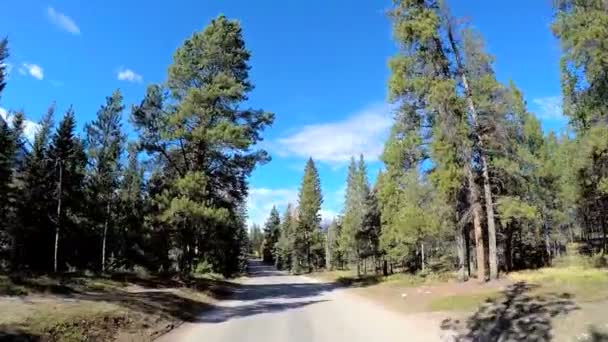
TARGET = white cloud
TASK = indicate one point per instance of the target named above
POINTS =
(336, 142)
(129, 76)
(33, 70)
(328, 215)
(62, 21)
(261, 201)
(30, 128)
(549, 107)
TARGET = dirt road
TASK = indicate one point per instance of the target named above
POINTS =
(273, 306)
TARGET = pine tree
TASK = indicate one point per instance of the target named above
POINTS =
(271, 236)
(257, 240)
(3, 56)
(68, 162)
(353, 239)
(285, 243)
(7, 156)
(105, 145)
(580, 27)
(131, 207)
(424, 82)
(34, 239)
(309, 218)
(206, 141)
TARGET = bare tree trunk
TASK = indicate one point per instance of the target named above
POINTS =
(58, 225)
(462, 255)
(490, 217)
(105, 234)
(484, 162)
(479, 245)
(422, 255)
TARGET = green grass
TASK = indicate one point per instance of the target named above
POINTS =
(586, 284)
(349, 278)
(465, 302)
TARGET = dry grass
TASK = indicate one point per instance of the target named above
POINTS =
(80, 308)
(585, 284)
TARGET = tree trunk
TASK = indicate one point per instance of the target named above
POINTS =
(509, 250)
(462, 255)
(105, 234)
(58, 225)
(493, 254)
(385, 268)
(422, 256)
(484, 163)
(479, 245)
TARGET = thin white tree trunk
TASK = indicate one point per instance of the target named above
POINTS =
(105, 234)
(58, 226)
(422, 254)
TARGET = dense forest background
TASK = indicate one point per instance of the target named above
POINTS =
(470, 183)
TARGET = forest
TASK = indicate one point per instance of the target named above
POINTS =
(470, 183)
(171, 201)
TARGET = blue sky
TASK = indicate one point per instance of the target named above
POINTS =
(321, 66)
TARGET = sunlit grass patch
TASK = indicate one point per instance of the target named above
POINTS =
(463, 302)
(586, 284)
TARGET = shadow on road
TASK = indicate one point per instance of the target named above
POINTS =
(515, 316)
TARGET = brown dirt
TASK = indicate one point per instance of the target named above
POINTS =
(101, 309)
(409, 300)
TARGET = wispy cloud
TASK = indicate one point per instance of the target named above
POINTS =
(62, 21)
(33, 70)
(261, 201)
(335, 142)
(30, 128)
(129, 76)
(549, 108)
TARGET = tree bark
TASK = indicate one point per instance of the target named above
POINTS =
(479, 245)
(462, 255)
(484, 163)
(105, 234)
(422, 255)
(58, 225)
(509, 250)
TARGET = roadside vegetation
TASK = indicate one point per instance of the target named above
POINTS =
(105, 238)
(477, 211)
(73, 307)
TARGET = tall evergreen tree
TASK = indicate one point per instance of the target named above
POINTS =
(271, 236)
(580, 27)
(285, 244)
(309, 217)
(206, 139)
(34, 239)
(68, 162)
(256, 238)
(105, 142)
(130, 210)
(352, 236)
(424, 82)
(3, 68)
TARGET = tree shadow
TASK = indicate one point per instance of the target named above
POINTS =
(15, 335)
(262, 307)
(515, 316)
